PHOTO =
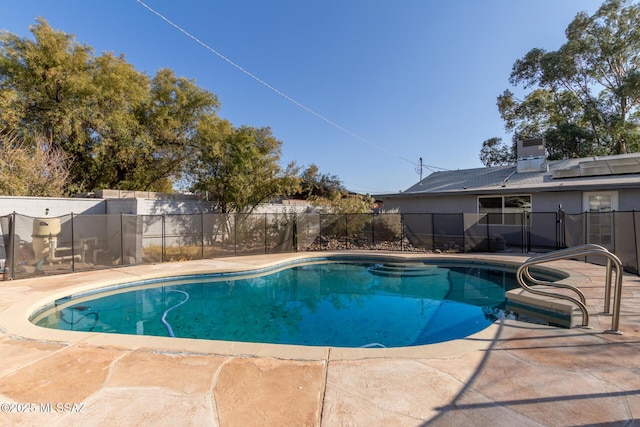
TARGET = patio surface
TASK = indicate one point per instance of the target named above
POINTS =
(511, 374)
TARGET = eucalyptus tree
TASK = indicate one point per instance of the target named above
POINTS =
(584, 98)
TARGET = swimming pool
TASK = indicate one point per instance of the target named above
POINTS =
(339, 303)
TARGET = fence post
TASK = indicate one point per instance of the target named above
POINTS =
(12, 246)
(613, 234)
(557, 231)
(635, 241)
(373, 230)
(295, 232)
(560, 228)
(162, 240)
(265, 234)
(528, 216)
(401, 232)
(433, 232)
(73, 247)
(121, 240)
(346, 231)
(201, 235)
(488, 236)
(464, 234)
(585, 227)
(523, 233)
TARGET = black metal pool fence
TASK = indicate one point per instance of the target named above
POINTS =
(54, 245)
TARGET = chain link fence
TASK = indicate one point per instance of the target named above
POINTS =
(55, 245)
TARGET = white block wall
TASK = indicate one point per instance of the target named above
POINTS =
(58, 206)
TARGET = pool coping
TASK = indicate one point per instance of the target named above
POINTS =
(14, 318)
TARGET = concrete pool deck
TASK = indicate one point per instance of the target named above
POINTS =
(512, 373)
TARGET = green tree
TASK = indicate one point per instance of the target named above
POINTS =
(239, 167)
(112, 150)
(585, 97)
(495, 153)
(121, 128)
(45, 84)
(316, 184)
(329, 195)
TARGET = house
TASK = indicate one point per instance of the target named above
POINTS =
(501, 195)
(610, 183)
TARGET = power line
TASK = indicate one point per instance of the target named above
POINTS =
(267, 85)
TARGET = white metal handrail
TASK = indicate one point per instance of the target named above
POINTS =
(524, 275)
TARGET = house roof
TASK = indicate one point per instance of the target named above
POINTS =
(620, 171)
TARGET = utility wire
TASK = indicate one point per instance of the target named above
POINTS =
(267, 85)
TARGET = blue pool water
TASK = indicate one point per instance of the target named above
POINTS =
(340, 304)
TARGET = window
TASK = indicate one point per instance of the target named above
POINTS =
(605, 201)
(599, 207)
(504, 209)
(492, 206)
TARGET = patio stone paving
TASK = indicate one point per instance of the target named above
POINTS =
(513, 373)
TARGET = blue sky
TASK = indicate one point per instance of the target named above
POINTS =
(386, 82)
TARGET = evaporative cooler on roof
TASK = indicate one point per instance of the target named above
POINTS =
(531, 156)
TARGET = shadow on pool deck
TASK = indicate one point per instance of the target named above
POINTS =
(513, 373)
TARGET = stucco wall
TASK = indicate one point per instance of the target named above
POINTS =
(628, 200)
(58, 206)
(549, 202)
(159, 207)
(432, 204)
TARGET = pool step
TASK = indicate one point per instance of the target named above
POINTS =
(553, 311)
(414, 269)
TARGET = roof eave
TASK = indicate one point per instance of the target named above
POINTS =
(510, 189)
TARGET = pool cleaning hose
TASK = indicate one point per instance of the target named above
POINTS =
(72, 323)
(164, 316)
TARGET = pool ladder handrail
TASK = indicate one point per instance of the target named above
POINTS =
(582, 250)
